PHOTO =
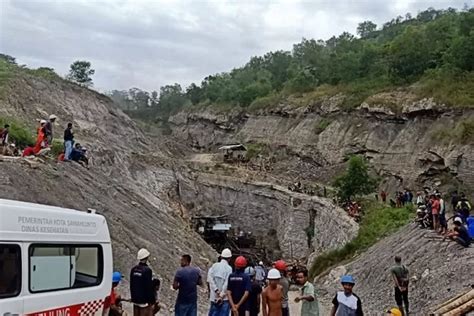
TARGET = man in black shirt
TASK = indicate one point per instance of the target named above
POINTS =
(68, 141)
(142, 291)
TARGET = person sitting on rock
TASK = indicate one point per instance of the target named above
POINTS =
(459, 233)
(78, 155)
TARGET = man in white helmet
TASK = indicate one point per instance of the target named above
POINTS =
(218, 278)
(142, 291)
(272, 295)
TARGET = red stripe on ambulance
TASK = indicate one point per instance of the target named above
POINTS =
(85, 309)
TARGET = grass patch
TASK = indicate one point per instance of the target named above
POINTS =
(379, 100)
(322, 125)
(19, 133)
(357, 92)
(379, 220)
(44, 72)
(353, 94)
(462, 133)
(253, 150)
(318, 94)
(57, 147)
(450, 87)
(265, 102)
(8, 71)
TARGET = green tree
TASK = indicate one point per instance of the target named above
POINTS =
(194, 93)
(171, 99)
(366, 28)
(410, 55)
(9, 59)
(81, 72)
(356, 180)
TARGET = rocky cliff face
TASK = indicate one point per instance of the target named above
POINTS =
(395, 132)
(126, 183)
(300, 224)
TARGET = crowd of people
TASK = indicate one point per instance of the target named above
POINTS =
(238, 288)
(44, 139)
(432, 210)
(432, 214)
(234, 287)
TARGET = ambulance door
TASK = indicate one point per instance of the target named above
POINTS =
(11, 301)
(66, 280)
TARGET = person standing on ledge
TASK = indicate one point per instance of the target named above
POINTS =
(400, 276)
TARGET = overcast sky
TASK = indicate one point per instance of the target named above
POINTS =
(148, 44)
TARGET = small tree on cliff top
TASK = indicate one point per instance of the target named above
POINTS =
(356, 180)
(81, 73)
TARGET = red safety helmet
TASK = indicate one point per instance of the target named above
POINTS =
(240, 262)
(280, 265)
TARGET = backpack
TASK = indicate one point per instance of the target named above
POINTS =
(404, 280)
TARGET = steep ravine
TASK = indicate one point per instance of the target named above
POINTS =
(302, 225)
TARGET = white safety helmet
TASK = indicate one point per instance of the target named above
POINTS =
(260, 263)
(43, 122)
(457, 220)
(53, 117)
(143, 254)
(274, 274)
(226, 253)
(250, 271)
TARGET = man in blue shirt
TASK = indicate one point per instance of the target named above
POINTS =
(238, 288)
(186, 280)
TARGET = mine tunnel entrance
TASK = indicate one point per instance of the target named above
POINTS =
(219, 232)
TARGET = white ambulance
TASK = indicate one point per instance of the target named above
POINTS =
(53, 261)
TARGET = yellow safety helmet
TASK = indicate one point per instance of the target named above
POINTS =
(395, 312)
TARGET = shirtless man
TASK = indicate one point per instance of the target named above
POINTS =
(272, 295)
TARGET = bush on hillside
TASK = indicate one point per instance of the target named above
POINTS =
(379, 221)
(19, 134)
(57, 147)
